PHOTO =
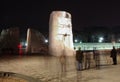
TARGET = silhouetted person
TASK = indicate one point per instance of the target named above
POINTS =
(79, 59)
(114, 55)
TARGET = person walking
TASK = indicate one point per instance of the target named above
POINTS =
(114, 55)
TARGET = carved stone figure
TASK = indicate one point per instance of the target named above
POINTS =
(60, 34)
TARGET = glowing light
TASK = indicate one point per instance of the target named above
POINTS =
(76, 40)
(19, 46)
(80, 42)
(46, 41)
(101, 39)
(26, 44)
(118, 40)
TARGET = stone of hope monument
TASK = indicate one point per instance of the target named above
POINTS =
(60, 34)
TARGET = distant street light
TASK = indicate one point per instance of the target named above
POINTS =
(46, 41)
(76, 40)
(80, 42)
(25, 43)
(100, 39)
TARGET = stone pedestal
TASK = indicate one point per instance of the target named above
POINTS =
(60, 34)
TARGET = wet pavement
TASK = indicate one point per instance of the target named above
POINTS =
(51, 69)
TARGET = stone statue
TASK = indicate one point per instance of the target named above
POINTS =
(60, 34)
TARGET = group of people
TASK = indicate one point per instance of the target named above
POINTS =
(85, 57)
(96, 56)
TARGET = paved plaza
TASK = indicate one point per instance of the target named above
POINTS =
(50, 69)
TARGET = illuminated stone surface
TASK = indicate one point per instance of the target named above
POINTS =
(35, 41)
(60, 34)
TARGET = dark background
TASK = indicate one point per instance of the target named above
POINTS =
(86, 14)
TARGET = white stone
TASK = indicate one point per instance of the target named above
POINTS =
(35, 41)
(60, 34)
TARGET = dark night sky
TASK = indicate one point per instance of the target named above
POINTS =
(36, 14)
